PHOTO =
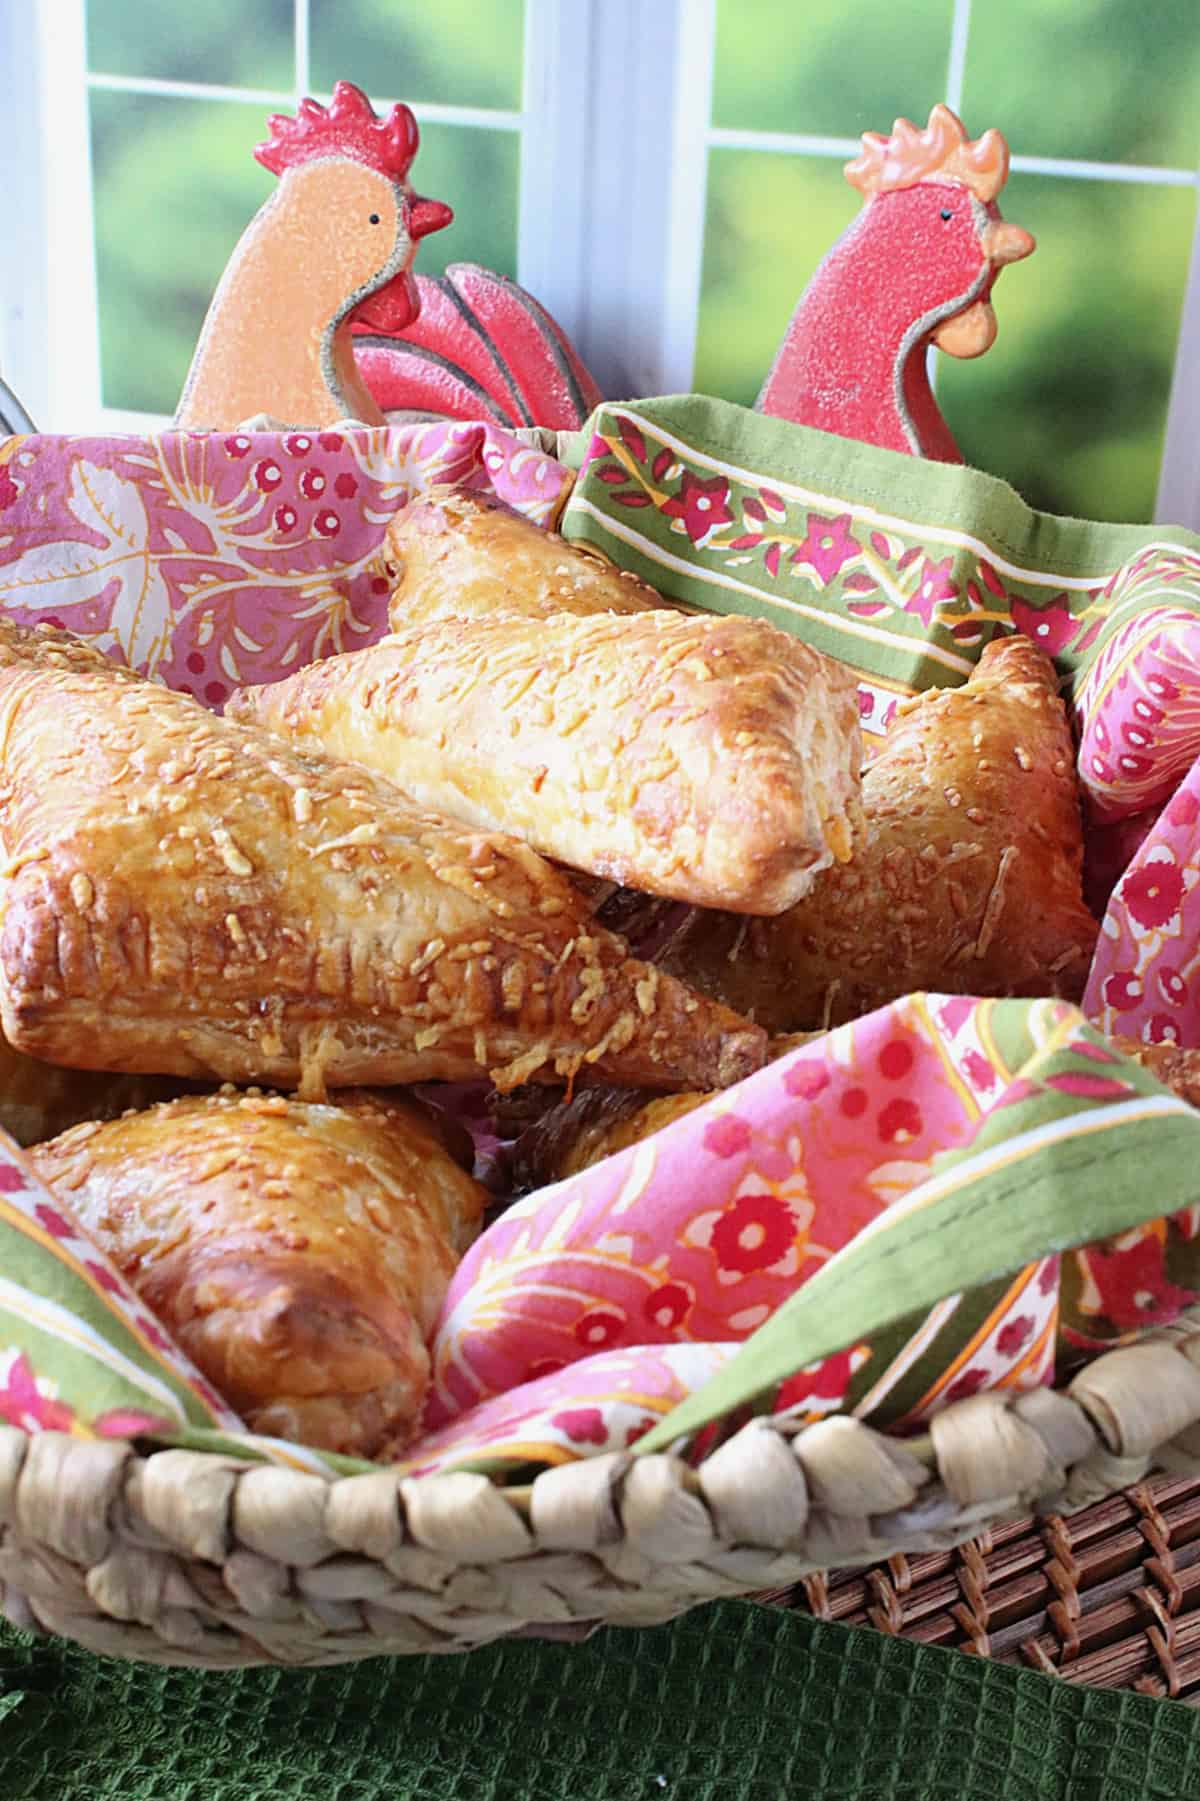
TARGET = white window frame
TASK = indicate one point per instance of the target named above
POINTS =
(615, 131)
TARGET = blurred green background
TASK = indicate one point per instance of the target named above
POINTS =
(1070, 404)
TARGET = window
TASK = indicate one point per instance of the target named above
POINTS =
(173, 117)
(663, 176)
(175, 95)
(1102, 102)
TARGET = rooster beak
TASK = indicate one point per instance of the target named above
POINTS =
(1005, 243)
(425, 216)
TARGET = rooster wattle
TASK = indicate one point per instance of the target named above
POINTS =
(916, 267)
(332, 247)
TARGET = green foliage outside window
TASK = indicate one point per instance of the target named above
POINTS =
(1069, 404)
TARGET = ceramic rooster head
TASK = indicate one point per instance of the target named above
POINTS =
(916, 267)
(332, 247)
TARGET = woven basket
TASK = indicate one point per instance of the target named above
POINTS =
(180, 1557)
(1109, 1597)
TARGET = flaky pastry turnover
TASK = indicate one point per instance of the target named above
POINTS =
(709, 759)
(968, 878)
(183, 895)
(298, 1253)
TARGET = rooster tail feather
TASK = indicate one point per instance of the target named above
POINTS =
(409, 382)
(481, 347)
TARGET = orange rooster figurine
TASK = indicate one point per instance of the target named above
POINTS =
(925, 250)
(332, 247)
(319, 318)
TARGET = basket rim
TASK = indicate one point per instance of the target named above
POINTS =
(202, 1558)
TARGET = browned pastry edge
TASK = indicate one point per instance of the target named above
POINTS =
(456, 552)
(186, 896)
(1175, 1068)
(968, 878)
(297, 1252)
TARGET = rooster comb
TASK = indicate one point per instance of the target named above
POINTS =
(349, 127)
(942, 152)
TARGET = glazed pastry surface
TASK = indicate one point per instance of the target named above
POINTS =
(968, 879)
(709, 759)
(298, 1253)
(182, 895)
(456, 554)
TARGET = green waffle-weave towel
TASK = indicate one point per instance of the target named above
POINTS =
(729, 1702)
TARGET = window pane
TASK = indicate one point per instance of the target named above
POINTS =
(230, 43)
(477, 173)
(175, 184)
(164, 234)
(826, 68)
(1070, 403)
(1101, 80)
(456, 53)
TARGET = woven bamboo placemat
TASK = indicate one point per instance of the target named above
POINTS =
(1108, 1597)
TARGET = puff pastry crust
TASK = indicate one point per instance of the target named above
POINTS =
(298, 1253)
(452, 553)
(182, 895)
(1176, 1068)
(710, 759)
(968, 879)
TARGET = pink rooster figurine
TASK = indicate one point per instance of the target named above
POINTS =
(480, 348)
(916, 267)
(332, 248)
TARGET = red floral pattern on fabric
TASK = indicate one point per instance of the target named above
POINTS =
(936, 584)
(819, 1390)
(701, 507)
(753, 1234)
(584, 1425)
(900, 1122)
(668, 1306)
(1051, 627)
(53, 1221)
(1129, 1284)
(828, 546)
(1153, 892)
(969, 1383)
(207, 560)
(1016, 1333)
(27, 1403)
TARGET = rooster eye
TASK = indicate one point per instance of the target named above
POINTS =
(946, 213)
(375, 218)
